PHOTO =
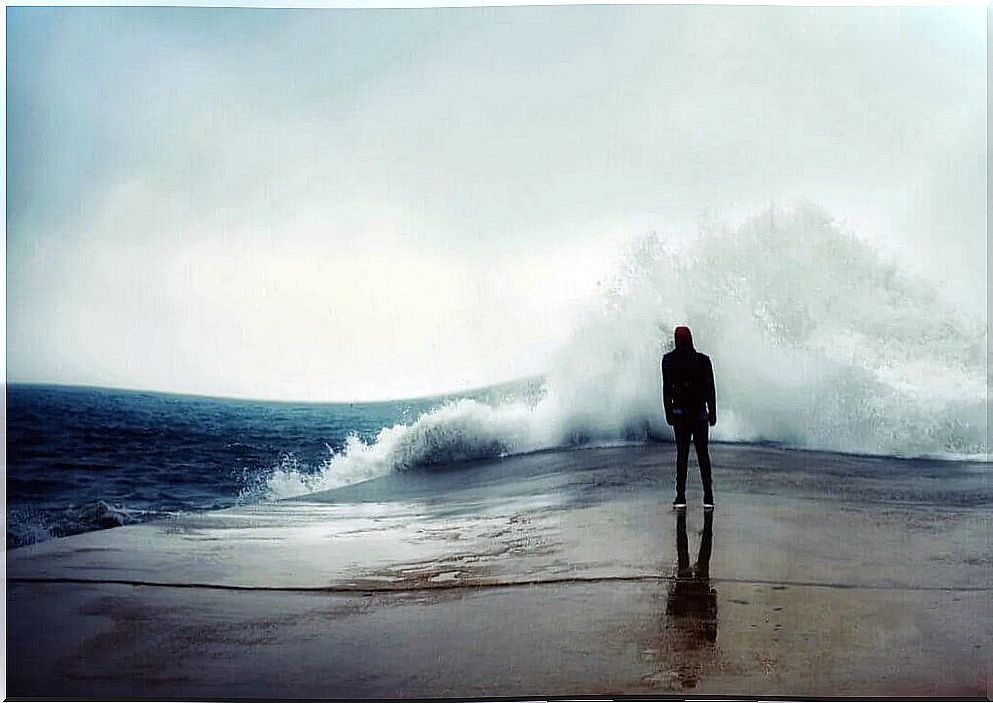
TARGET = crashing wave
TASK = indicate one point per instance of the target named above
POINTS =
(817, 343)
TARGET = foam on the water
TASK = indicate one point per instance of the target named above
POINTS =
(817, 343)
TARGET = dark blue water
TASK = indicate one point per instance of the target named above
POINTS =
(80, 459)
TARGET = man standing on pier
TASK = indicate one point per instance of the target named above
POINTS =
(690, 403)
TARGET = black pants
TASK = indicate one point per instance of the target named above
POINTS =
(695, 430)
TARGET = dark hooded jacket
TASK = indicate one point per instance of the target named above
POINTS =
(688, 382)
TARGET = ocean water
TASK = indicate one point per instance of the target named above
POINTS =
(818, 342)
(80, 459)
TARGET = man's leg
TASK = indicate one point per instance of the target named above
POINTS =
(703, 457)
(683, 432)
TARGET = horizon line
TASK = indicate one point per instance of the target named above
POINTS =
(93, 386)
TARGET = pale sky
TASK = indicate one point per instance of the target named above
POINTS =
(365, 204)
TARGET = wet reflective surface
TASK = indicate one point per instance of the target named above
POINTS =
(683, 648)
(557, 574)
(691, 606)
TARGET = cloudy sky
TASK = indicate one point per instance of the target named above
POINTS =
(360, 204)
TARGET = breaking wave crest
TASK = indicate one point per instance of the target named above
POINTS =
(29, 526)
(817, 343)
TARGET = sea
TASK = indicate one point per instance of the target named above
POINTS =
(818, 342)
(81, 459)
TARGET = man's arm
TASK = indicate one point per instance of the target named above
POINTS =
(711, 395)
(666, 393)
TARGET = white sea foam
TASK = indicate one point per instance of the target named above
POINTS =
(817, 342)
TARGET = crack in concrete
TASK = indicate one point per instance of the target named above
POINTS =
(441, 586)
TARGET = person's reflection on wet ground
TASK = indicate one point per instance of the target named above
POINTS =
(691, 596)
(691, 605)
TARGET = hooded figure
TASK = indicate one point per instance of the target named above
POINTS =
(690, 404)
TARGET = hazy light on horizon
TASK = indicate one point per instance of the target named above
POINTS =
(363, 204)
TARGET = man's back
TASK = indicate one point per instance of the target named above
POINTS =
(687, 383)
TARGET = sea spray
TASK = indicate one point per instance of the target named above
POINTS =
(817, 342)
